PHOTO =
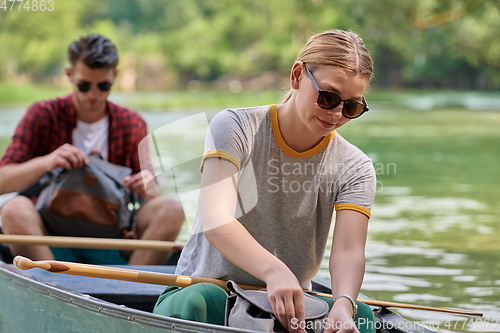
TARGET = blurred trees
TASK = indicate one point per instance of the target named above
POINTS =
(424, 43)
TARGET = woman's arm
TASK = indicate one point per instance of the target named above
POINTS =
(347, 264)
(218, 200)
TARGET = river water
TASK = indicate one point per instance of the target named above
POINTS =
(434, 237)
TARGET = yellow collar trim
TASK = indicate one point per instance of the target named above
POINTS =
(287, 149)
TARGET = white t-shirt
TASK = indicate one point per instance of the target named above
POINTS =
(92, 137)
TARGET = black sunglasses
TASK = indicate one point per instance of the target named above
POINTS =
(329, 100)
(85, 86)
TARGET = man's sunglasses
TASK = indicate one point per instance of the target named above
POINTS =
(85, 86)
(329, 100)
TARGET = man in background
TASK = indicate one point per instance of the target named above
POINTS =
(61, 133)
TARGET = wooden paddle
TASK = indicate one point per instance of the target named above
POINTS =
(180, 280)
(123, 274)
(92, 243)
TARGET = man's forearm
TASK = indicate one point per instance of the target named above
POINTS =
(17, 177)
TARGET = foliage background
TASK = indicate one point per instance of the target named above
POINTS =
(252, 43)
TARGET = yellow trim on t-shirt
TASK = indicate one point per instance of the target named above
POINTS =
(357, 208)
(287, 149)
(220, 154)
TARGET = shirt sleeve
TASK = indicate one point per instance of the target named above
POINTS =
(23, 144)
(141, 157)
(227, 139)
(357, 191)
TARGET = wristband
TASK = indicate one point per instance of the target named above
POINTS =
(353, 303)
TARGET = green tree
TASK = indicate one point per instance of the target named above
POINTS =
(35, 42)
(435, 43)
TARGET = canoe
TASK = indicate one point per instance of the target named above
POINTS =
(40, 301)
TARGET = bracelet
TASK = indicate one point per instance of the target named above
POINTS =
(353, 303)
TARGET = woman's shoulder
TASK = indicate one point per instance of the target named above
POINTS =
(249, 112)
(244, 117)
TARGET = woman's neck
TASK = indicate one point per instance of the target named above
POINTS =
(296, 135)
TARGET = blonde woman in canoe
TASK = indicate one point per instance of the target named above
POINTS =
(273, 179)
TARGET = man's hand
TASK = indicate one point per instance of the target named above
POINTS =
(67, 157)
(142, 183)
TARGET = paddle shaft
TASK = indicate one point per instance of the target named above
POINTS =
(122, 274)
(180, 280)
(91, 243)
(418, 307)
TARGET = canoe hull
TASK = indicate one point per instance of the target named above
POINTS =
(40, 301)
(57, 310)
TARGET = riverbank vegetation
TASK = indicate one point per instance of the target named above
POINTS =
(250, 45)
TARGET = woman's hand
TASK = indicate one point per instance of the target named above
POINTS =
(287, 300)
(340, 318)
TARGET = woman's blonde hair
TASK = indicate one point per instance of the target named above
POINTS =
(338, 48)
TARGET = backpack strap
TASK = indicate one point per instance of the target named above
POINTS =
(134, 201)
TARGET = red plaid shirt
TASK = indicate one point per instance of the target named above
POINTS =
(47, 125)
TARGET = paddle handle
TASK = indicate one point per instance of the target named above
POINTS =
(182, 281)
(92, 243)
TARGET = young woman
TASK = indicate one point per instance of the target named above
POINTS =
(272, 178)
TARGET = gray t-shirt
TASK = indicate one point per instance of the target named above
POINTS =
(286, 199)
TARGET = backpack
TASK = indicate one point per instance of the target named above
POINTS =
(90, 201)
(251, 310)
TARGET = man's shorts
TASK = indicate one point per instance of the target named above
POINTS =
(89, 256)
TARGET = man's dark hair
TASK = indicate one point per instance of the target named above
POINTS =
(95, 51)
